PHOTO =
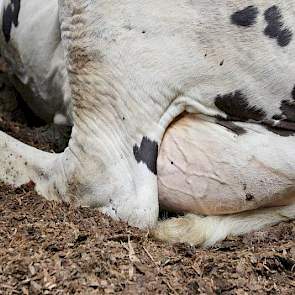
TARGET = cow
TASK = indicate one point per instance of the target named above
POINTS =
(189, 105)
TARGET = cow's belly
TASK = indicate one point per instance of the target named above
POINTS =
(207, 169)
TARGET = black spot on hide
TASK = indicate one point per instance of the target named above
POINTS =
(288, 110)
(275, 27)
(293, 93)
(285, 37)
(282, 128)
(10, 16)
(236, 106)
(284, 124)
(249, 197)
(231, 126)
(280, 131)
(147, 153)
(277, 117)
(245, 17)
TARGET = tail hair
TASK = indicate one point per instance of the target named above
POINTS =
(205, 231)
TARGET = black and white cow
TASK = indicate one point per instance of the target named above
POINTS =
(208, 84)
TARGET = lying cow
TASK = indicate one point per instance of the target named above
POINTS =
(217, 77)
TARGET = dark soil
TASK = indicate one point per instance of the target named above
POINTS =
(54, 248)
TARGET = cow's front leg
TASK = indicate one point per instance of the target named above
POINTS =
(90, 172)
(114, 171)
(20, 163)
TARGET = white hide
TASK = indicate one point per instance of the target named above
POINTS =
(124, 71)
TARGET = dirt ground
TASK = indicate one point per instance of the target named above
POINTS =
(54, 248)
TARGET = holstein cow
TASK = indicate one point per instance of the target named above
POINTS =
(217, 77)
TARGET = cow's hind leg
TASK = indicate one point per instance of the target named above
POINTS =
(207, 230)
